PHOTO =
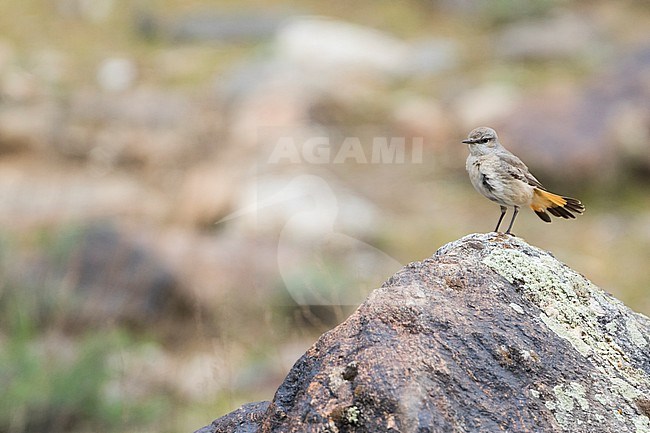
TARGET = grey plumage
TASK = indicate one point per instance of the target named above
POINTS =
(503, 178)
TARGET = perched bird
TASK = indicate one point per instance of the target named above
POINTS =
(503, 178)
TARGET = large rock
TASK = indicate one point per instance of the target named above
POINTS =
(489, 334)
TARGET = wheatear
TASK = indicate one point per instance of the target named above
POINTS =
(503, 178)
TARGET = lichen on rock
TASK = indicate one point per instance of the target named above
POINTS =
(581, 313)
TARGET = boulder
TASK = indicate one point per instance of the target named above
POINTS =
(601, 128)
(96, 276)
(563, 35)
(213, 25)
(489, 334)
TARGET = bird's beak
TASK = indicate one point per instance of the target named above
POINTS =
(468, 141)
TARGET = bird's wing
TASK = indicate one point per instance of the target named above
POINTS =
(517, 169)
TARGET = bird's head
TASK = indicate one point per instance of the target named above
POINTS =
(482, 139)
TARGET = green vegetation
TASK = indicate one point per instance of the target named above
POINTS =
(50, 383)
(53, 378)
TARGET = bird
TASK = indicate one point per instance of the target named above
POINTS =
(503, 178)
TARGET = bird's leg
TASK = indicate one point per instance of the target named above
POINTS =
(503, 213)
(512, 221)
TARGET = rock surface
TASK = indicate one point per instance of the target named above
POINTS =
(489, 334)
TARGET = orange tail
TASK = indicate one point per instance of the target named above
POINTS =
(558, 206)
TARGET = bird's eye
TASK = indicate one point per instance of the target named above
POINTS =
(483, 140)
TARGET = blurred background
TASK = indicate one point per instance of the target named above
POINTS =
(191, 192)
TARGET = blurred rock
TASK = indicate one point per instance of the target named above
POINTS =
(146, 107)
(208, 191)
(330, 45)
(14, 84)
(30, 80)
(485, 104)
(142, 127)
(489, 334)
(92, 10)
(321, 65)
(51, 66)
(116, 74)
(213, 25)
(589, 134)
(116, 276)
(564, 35)
(18, 85)
(96, 276)
(631, 131)
(416, 116)
(265, 98)
(34, 192)
(215, 268)
(432, 56)
(27, 127)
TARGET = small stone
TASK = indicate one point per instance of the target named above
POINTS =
(350, 371)
(517, 308)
